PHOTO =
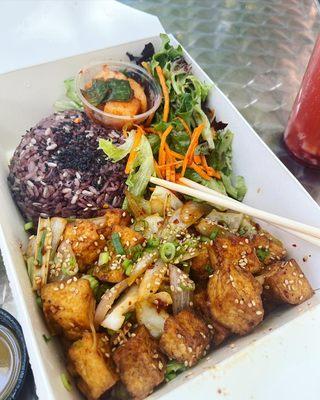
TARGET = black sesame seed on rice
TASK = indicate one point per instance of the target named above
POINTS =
(58, 170)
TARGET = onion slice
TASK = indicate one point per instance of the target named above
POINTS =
(108, 299)
(152, 279)
(145, 261)
(182, 288)
(57, 227)
(116, 317)
(153, 319)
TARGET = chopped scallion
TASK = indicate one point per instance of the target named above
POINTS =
(116, 241)
(128, 266)
(140, 226)
(167, 251)
(214, 233)
(28, 226)
(46, 338)
(66, 382)
(153, 243)
(104, 258)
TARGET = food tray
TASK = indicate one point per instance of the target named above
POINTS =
(286, 343)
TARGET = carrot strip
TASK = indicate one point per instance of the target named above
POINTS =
(197, 159)
(209, 170)
(168, 169)
(173, 153)
(200, 171)
(158, 169)
(162, 151)
(165, 92)
(133, 151)
(185, 125)
(150, 130)
(193, 144)
(171, 164)
(146, 66)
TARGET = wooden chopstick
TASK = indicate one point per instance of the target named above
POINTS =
(195, 185)
(224, 201)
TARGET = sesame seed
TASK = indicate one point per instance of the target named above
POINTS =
(259, 312)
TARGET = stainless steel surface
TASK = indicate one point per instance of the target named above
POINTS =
(256, 51)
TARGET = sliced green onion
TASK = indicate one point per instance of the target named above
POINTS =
(28, 226)
(167, 252)
(39, 301)
(204, 239)
(103, 258)
(46, 338)
(30, 267)
(128, 266)
(94, 284)
(127, 316)
(141, 225)
(100, 290)
(262, 253)
(66, 382)
(214, 233)
(136, 252)
(173, 369)
(153, 243)
(40, 247)
(117, 243)
(209, 269)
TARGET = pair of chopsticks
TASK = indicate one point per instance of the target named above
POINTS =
(308, 233)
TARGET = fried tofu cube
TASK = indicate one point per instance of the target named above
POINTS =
(116, 216)
(186, 337)
(128, 236)
(86, 241)
(68, 307)
(201, 264)
(284, 282)
(140, 363)
(268, 248)
(202, 306)
(93, 367)
(235, 299)
(232, 250)
(88, 238)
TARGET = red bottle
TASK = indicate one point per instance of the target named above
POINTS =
(302, 135)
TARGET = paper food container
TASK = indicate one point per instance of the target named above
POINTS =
(280, 358)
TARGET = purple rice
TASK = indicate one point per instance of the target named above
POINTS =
(58, 170)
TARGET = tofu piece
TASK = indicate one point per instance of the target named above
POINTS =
(186, 337)
(68, 307)
(235, 299)
(201, 264)
(93, 367)
(140, 363)
(232, 250)
(128, 236)
(202, 306)
(116, 216)
(268, 248)
(113, 271)
(284, 282)
(88, 239)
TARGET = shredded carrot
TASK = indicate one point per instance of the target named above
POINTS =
(146, 66)
(185, 125)
(150, 130)
(192, 146)
(197, 159)
(209, 170)
(173, 153)
(168, 169)
(200, 171)
(171, 164)
(162, 151)
(165, 92)
(133, 151)
(158, 169)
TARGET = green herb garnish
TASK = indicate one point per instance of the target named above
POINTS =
(66, 382)
(167, 252)
(102, 91)
(214, 233)
(173, 369)
(262, 253)
(46, 338)
(28, 226)
(127, 266)
(116, 241)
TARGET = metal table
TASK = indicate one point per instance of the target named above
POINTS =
(256, 51)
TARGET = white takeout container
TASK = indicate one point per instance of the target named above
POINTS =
(280, 358)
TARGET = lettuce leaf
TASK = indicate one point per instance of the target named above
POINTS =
(143, 166)
(72, 100)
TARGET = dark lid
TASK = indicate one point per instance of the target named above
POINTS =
(13, 357)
